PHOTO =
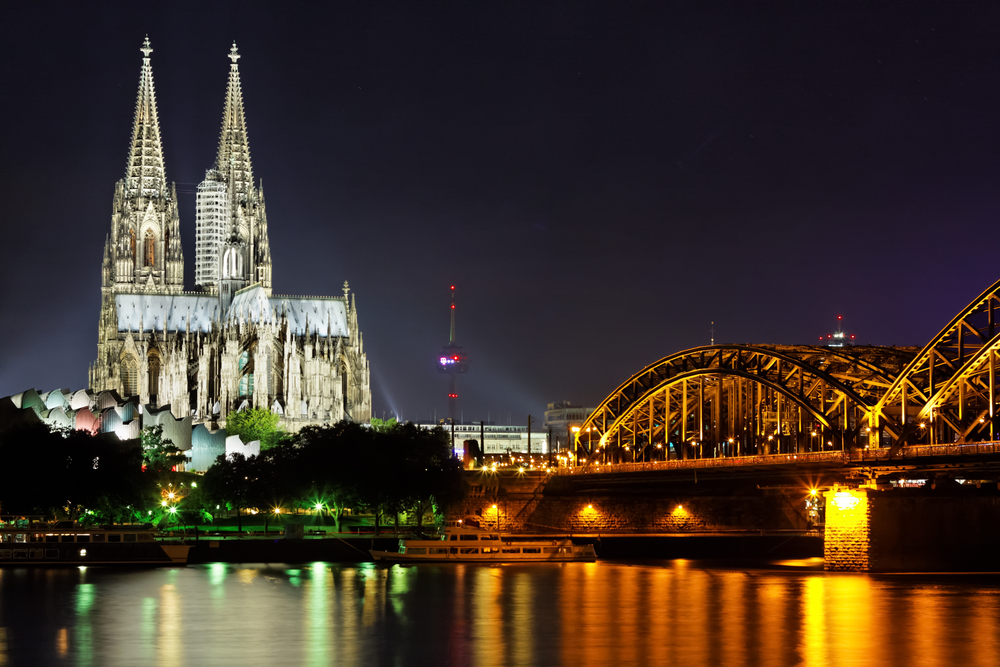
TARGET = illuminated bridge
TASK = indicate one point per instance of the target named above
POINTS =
(732, 405)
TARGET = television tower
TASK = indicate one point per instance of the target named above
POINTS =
(452, 361)
(838, 338)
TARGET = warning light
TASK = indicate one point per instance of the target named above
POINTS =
(852, 336)
(453, 306)
(453, 287)
(840, 317)
(829, 336)
(452, 395)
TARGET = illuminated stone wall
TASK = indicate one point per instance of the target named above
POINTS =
(847, 544)
(530, 503)
(950, 528)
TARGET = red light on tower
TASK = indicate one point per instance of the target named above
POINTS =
(452, 361)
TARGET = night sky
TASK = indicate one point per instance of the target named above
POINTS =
(599, 180)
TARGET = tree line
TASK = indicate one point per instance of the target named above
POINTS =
(384, 468)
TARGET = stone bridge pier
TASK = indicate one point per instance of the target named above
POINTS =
(951, 528)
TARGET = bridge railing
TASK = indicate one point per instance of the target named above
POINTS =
(721, 462)
(849, 456)
(911, 451)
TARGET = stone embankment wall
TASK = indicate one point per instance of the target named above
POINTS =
(537, 503)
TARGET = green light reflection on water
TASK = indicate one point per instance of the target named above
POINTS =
(84, 633)
(148, 624)
(400, 580)
(294, 576)
(216, 578)
(317, 629)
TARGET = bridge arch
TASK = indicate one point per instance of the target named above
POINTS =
(737, 399)
(949, 385)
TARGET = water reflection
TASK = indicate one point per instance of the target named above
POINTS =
(663, 613)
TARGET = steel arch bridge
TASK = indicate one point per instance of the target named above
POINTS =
(732, 400)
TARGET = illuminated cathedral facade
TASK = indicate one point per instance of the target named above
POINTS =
(230, 344)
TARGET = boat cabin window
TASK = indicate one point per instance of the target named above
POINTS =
(491, 550)
(417, 550)
(468, 538)
(532, 550)
(453, 537)
(435, 550)
(66, 538)
(114, 537)
(130, 537)
(494, 537)
(99, 537)
(83, 538)
(511, 550)
(453, 550)
(51, 538)
(468, 550)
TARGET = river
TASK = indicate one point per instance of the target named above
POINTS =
(604, 613)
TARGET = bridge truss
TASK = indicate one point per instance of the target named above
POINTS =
(742, 400)
(948, 391)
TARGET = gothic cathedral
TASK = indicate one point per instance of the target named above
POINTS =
(232, 343)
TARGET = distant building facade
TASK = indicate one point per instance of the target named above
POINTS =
(232, 343)
(498, 439)
(561, 417)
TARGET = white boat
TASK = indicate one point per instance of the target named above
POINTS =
(464, 544)
(69, 543)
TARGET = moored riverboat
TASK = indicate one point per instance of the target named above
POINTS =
(68, 543)
(460, 544)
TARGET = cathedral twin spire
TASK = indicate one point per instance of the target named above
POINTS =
(234, 149)
(145, 175)
(146, 251)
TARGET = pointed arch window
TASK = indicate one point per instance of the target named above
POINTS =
(246, 375)
(131, 244)
(154, 374)
(343, 388)
(130, 377)
(149, 249)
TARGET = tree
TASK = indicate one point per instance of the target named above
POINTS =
(159, 454)
(230, 480)
(65, 473)
(334, 463)
(383, 425)
(256, 424)
(427, 474)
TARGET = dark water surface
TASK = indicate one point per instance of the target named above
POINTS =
(605, 613)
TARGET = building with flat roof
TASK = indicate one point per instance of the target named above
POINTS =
(496, 438)
(560, 418)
